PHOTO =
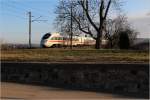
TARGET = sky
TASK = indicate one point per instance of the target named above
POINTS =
(14, 18)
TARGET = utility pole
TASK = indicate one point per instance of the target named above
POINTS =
(30, 21)
(71, 29)
(30, 30)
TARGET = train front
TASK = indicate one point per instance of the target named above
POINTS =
(44, 41)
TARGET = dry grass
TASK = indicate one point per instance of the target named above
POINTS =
(78, 55)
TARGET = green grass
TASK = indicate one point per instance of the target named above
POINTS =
(78, 55)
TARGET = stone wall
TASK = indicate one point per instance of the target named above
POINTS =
(119, 78)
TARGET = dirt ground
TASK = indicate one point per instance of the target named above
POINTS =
(15, 91)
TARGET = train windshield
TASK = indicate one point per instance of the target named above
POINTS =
(46, 36)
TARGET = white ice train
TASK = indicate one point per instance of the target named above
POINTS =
(57, 40)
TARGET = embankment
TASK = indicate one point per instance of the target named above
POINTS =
(125, 79)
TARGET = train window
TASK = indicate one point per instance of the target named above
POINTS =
(64, 38)
(46, 36)
(56, 38)
(59, 38)
(52, 38)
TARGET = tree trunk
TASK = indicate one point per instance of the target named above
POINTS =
(97, 45)
(98, 41)
(111, 45)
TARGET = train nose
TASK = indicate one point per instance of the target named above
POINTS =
(43, 43)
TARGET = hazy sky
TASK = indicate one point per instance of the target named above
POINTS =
(14, 18)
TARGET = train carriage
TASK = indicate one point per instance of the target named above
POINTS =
(57, 40)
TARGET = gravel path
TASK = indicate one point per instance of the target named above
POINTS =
(15, 91)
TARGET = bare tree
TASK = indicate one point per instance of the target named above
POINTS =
(103, 8)
(88, 16)
(114, 27)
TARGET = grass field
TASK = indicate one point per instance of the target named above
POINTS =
(78, 55)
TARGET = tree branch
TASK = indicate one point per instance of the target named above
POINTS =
(87, 14)
(82, 29)
(101, 9)
(107, 9)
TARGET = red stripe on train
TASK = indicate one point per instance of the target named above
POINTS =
(55, 41)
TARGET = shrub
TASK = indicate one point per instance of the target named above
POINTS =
(124, 42)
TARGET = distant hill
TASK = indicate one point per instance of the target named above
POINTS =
(141, 40)
(141, 44)
(18, 46)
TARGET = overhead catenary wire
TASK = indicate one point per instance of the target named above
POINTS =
(21, 9)
(27, 7)
(23, 5)
(11, 8)
(12, 14)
